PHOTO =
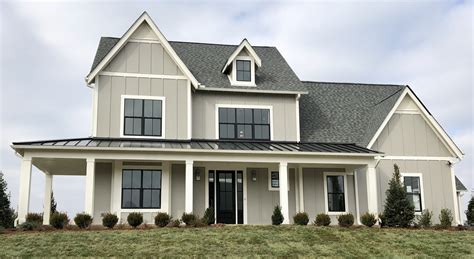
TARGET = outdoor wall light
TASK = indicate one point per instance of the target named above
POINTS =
(198, 176)
(254, 176)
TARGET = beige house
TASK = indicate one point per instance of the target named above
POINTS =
(181, 126)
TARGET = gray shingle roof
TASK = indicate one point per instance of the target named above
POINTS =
(345, 112)
(459, 185)
(331, 112)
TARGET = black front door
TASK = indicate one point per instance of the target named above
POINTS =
(225, 191)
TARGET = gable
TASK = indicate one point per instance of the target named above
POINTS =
(144, 32)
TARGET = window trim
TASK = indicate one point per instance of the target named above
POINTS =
(143, 97)
(420, 175)
(233, 74)
(269, 178)
(326, 203)
(244, 106)
(124, 209)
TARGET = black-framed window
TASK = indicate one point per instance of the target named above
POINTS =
(143, 117)
(335, 192)
(243, 69)
(141, 189)
(275, 179)
(413, 188)
(244, 123)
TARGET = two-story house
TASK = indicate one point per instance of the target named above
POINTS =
(182, 126)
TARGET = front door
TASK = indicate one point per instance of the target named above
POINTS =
(225, 191)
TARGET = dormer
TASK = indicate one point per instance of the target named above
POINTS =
(242, 64)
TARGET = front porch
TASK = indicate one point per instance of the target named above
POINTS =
(243, 187)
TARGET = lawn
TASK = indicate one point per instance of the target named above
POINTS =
(242, 241)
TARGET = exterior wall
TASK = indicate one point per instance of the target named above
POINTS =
(177, 190)
(436, 184)
(313, 192)
(199, 192)
(109, 110)
(409, 135)
(102, 190)
(204, 112)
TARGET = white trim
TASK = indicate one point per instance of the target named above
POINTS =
(233, 75)
(346, 204)
(242, 45)
(258, 91)
(245, 196)
(143, 97)
(244, 106)
(297, 117)
(356, 190)
(189, 110)
(284, 204)
(427, 158)
(430, 120)
(455, 200)
(407, 112)
(419, 175)
(166, 46)
(145, 41)
(95, 106)
(300, 189)
(297, 191)
(126, 74)
(189, 183)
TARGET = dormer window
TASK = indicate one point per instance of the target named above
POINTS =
(243, 70)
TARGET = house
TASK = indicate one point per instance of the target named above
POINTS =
(181, 126)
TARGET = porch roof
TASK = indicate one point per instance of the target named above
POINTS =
(198, 145)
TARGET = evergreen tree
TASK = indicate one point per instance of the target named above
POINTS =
(53, 204)
(7, 215)
(470, 212)
(277, 217)
(398, 212)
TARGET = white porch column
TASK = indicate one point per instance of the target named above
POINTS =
(48, 186)
(90, 184)
(25, 186)
(457, 218)
(188, 204)
(300, 189)
(372, 189)
(284, 192)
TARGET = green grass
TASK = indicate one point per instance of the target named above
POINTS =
(242, 241)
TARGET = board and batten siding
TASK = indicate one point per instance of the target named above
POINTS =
(111, 89)
(204, 112)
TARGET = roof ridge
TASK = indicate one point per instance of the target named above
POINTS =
(220, 44)
(349, 83)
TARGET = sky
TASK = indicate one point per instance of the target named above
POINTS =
(47, 49)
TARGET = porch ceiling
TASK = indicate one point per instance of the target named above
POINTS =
(61, 166)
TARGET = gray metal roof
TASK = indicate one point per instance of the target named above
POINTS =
(211, 145)
(459, 185)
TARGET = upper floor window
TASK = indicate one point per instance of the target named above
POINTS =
(244, 123)
(244, 73)
(413, 188)
(142, 117)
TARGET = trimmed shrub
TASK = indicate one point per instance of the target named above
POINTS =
(162, 219)
(322, 219)
(134, 219)
(174, 223)
(34, 217)
(187, 218)
(277, 217)
(197, 223)
(346, 220)
(83, 220)
(446, 218)
(398, 210)
(58, 220)
(29, 225)
(470, 212)
(109, 220)
(424, 220)
(301, 218)
(368, 219)
(208, 217)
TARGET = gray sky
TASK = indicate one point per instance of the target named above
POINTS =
(47, 49)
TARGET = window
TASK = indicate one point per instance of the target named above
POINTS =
(275, 179)
(413, 188)
(141, 189)
(243, 70)
(142, 117)
(244, 123)
(336, 200)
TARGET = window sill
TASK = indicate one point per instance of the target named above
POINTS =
(336, 213)
(142, 210)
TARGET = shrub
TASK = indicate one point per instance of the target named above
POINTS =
(109, 220)
(58, 220)
(34, 217)
(346, 220)
(368, 219)
(174, 223)
(197, 223)
(187, 218)
(208, 217)
(301, 218)
(277, 217)
(322, 220)
(398, 210)
(470, 212)
(424, 220)
(382, 220)
(445, 218)
(83, 220)
(7, 213)
(134, 219)
(29, 225)
(162, 219)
